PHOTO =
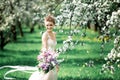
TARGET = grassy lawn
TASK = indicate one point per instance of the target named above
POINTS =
(24, 52)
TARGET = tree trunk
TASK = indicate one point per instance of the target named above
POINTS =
(20, 28)
(1, 40)
(88, 24)
(96, 25)
(32, 27)
(14, 33)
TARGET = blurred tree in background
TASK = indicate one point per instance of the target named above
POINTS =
(101, 15)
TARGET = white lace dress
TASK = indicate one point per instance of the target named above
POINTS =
(52, 74)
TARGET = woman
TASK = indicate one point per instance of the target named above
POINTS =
(48, 43)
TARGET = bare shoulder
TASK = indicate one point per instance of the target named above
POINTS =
(44, 35)
(54, 33)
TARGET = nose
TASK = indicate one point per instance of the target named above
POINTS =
(49, 27)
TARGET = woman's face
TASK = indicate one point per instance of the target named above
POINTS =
(49, 25)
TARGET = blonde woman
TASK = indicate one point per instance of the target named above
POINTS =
(48, 43)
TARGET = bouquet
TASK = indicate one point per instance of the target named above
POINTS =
(47, 61)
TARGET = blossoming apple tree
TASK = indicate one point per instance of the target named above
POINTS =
(104, 14)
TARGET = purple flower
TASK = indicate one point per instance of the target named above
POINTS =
(45, 54)
(47, 61)
(44, 66)
(50, 53)
(39, 57)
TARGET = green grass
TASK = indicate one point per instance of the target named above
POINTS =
(25, 50)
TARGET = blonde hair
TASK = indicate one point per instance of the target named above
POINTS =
(50, 18)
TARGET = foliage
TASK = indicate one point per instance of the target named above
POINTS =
(113, 58)
(79, 13)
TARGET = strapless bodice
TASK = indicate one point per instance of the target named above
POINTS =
(51, 44)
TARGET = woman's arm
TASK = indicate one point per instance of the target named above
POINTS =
(44, 42)
(54, 35)
(57, 68)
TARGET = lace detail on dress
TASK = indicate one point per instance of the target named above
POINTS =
(51, 44)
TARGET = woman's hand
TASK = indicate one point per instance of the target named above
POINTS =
(57, 67)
